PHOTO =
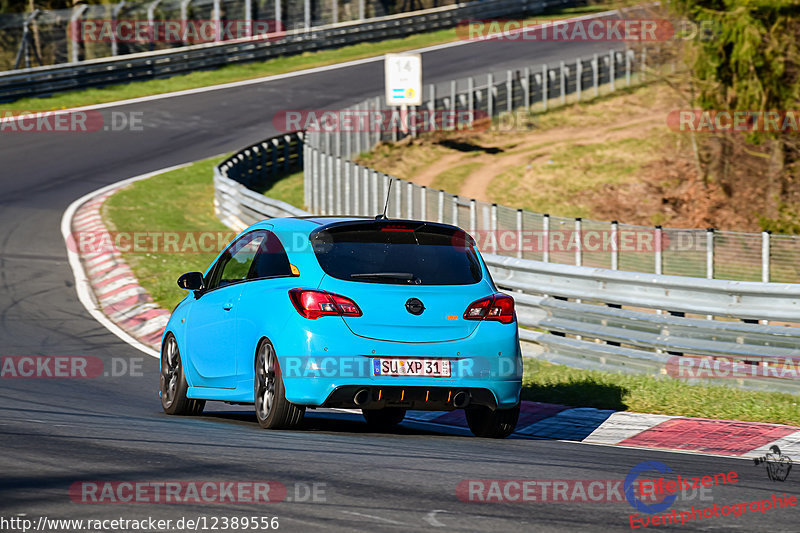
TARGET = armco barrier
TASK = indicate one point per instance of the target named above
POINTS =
(256, 166)
(579, 316)
(42, 81)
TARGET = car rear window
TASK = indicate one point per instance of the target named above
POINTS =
(397, 253)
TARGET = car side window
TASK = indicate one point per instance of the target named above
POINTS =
(235, 263)
(271, 260)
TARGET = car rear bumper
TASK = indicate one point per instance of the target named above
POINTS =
(495, 385)
(319, 366)
(415, 398)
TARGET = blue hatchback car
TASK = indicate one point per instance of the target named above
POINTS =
(374, 314)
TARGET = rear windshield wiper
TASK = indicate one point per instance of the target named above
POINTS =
(397, 276)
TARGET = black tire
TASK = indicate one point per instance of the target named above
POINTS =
(385, 418)
(497, 424)
(173, 382)
(273, 410)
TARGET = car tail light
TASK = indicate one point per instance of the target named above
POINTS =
(498, 307)
(314, 304)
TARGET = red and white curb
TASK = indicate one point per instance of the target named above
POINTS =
(108, 289)
(105, 284)
(622, 428)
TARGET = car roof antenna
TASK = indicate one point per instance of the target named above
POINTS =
(386, 205)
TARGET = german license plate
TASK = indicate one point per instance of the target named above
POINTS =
(435, 368)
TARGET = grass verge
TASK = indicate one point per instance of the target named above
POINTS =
(271, 67)
(546, 382)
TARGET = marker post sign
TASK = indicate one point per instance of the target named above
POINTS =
(403, 82)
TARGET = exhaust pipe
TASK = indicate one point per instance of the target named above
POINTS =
(461, 399)
(361, 397)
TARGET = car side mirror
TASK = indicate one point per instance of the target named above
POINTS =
(191, 281)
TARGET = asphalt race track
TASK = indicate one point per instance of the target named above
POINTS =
(56, 432)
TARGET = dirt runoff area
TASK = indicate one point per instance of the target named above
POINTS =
(612, 158)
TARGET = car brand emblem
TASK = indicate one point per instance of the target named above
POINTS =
(414, 306)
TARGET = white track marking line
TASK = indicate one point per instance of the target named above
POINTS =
(82, 285)
(431, 518)
(379, 518)
(287, 75)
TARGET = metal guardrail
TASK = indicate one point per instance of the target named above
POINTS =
(258, 165)
(47, 80)
(583, 317)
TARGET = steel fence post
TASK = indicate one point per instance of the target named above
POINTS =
(115, 15)
(546, 238)
(578, 78)
(354, 175)
(628, 67)
(454, 209)
(473, 217)
(377, 136)
(526, 89)
(494, 227)
(453, 104)
(578, 243)
(278, 15)
(376, 202)
(614, 245)
(544, 86)
(361, 110)
(432, 107)
(563, 82)
(440, 207)
(365, 190)
(338, 187)
(490, 95)
(658, 256)
(423, 201)
(643, 67)
(329, 172)
(471, 97)
(357, 134)
(317, 192)
(398, 200)
(248, 18)
(348, 189)
(509, 91)
(596, 74)
(710, 253)
(765, 274)
(217, 16)
(335, 11)
(76, 14)
(612, 58)
(410, 206)
(519, 233)
(387, 182)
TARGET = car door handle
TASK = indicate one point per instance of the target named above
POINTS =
(228, 306)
